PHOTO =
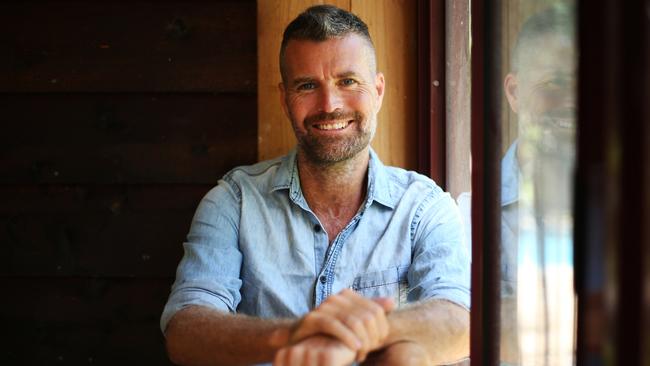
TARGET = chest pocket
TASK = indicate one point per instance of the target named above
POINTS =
(391, 283)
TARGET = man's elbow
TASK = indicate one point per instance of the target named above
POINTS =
(181, 341)
(174, 343)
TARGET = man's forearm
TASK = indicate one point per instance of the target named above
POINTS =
(202, 336)
(441, 327)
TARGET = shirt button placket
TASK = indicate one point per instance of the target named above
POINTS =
(321, 281)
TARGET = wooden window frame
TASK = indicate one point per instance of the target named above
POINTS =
(431, 90)
(486, 183)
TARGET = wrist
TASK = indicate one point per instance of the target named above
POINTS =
(394, 329)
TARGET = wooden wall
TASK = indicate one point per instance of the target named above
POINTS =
(116, 119)
(393, 28)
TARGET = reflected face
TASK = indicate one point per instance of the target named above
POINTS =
(332, 95)
(545, 101)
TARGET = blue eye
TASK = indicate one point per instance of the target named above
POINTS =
(348, 82)
(306, 86)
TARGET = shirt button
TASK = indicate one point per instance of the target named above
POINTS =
(323, 279)
(317, 228)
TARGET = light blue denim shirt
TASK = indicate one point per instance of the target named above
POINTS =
(255, 247)
(509, 220)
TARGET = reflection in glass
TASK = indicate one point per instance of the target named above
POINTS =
(538, 301)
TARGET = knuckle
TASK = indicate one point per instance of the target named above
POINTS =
(312, 317)
(383, 334)
(332, 298)
(294, 351)
(367, 317)
(362, 355)
(327, 307)
(377, 310)
(353, 321)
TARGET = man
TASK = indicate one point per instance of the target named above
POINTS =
(301, 260)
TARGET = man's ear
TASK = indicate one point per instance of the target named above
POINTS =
(380, 85)
(283, 99)
(512, 94)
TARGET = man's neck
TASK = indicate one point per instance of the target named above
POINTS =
(334, 191)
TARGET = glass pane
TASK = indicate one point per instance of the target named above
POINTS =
(538, 301)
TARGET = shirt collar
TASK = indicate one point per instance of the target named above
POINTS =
(510, 176)
(283, 177)
(378, 183)
(286, 177)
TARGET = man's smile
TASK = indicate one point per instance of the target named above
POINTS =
(333, 125)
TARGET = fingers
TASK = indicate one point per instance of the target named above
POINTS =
(316, 350)
(401, 353)
(365, 317)
(359, 323)
(289, 356)
(386, 303)
(324, 323)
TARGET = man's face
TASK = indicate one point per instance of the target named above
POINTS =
(545, 96)
(331, 94)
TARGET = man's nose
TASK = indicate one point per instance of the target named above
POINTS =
(330, 99)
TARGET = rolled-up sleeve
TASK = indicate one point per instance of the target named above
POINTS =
(440, 265)
(209, 272)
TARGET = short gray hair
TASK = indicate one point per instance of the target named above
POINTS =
(323, 22)
(556, 20)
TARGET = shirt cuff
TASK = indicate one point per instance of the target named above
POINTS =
(188, 296)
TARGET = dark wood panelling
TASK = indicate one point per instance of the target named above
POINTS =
(129, 46)
(77, 321)
(95, 231)
(117, 118)
(158, 138)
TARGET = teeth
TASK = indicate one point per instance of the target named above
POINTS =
(560, 122)
(334, 126)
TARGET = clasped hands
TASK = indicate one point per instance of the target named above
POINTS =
(345, 328)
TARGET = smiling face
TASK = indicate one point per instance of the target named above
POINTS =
(543, 94)
(331, 93)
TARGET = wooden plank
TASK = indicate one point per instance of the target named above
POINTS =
(78, 321)
(106, 138)
(275, 135)
(128, 46)
(108, 230)
(458, 87)
(124, 118)
(124, 163)
(392, 24)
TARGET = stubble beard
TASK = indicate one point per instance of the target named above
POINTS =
(330, 150)
(548, 140)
